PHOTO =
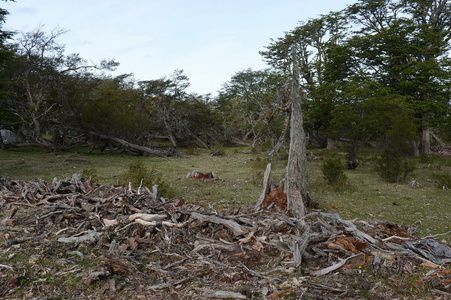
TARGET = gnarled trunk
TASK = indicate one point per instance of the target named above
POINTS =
(295, 187)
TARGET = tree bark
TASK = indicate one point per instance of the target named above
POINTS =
(170, 133)
(426, 140)
(281, 140)
(266, 185)
(295, 187)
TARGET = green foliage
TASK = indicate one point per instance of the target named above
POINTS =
(403, 129)
(333, 171)
(258, 170)
(443, 180)
(218, 149)
(253, 105)
(426, 158)
(90, 173)
(392, 166)
(139, 175)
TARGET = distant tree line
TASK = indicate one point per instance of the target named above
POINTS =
(377, 71)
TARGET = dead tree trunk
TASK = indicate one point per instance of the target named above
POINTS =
(140, 148)
(295, 183)
(281, 140)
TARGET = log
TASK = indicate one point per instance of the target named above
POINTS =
(232, 225)
(140, 148)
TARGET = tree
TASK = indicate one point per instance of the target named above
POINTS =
(197, 121)
(312, 40)
(5, 56)
(254, 106)
(405, 45)
(37, 73)
(296, 176)
(163, 93)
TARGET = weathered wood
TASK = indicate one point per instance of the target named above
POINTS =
(266, 184)
(147, 217)
(349, 226)
(236, 228)
(296, 180)
(336, 266)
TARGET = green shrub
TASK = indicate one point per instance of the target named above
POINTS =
(392, 166)
(90, 173)
(333, 171)
(218, 149)
(443, 180)
(427, 158)
(258, 170)
(139, 175)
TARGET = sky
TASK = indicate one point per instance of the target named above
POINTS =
(210, 40)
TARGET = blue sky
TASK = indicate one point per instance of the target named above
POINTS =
(209, 39)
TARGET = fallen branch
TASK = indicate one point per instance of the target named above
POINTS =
(91, 236)
(7, 267)
(349, 226)
(395, 237)
(232, 225)
(335, 266)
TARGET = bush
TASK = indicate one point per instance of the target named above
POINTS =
(443, 180)
(139, 175)
(333, 171)
(90, 173)
(218, 149)
(258, 170)
(426, 158)
(393, 166)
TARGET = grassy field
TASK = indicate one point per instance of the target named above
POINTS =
(418, 202)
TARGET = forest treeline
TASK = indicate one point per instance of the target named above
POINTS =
(377, 71)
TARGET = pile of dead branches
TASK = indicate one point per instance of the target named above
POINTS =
(130, 241)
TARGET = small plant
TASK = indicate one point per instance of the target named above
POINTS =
(426, 158)
(392, 166)
(191, 151)
(90, 173)
(139, 175)
(258, 170)
(333, 171)
(218, 149)
(443, 180)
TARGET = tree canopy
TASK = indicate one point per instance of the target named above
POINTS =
(359, 68)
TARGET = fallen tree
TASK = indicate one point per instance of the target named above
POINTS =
(139, 148)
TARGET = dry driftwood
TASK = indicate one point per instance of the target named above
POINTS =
(190, 245)
(265, 191)
(232, 225)
(336, 266)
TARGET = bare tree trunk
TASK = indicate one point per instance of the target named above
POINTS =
(295, 187)
(439, 140)
(2, 144)
(169, 131)
(198, 139)
(414, 148)
(281, 140)
(426, 140)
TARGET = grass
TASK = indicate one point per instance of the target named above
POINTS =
(416, 202)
